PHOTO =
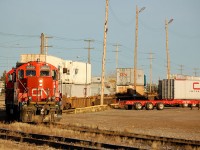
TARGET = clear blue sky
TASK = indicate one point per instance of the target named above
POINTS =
(69, 22)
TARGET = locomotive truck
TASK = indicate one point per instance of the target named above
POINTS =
(32, 93)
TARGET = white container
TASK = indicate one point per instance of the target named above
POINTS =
(125, 76)
(180, 89)
(187, 89)
(184, 77)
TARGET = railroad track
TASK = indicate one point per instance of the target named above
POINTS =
(137, 138)
(57, 141)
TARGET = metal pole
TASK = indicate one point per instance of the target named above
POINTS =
(104, 54)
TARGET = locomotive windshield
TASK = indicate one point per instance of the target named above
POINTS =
(44, 73)
(45, 70)
(30, 72)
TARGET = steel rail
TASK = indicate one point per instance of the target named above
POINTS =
(134, 136)
(57, 141)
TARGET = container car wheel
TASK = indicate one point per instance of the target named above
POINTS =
(138, 106)
(160, 106)
(128, 107)
(185, 105)
(149, 106)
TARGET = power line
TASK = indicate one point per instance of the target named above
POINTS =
(12, 34)
(19, 46)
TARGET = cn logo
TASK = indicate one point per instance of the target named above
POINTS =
(196, 85)
(38, 92)
(123, 75)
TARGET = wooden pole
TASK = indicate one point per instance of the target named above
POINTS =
(135, 49)
(104, 54)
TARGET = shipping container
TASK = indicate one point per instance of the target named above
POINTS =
(184, 77)
(180, 89)
(125, 76)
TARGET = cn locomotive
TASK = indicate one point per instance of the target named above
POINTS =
(32, 92)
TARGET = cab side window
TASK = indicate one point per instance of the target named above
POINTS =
(21, 74)
(10, 77)
(54, 74)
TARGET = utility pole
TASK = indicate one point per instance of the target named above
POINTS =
(136, 45)
(117, 50)
(89, 48)
(195, 71)
(181, 69)
(151, 58)
(46, 43)
(42, 43)
(104, 54)
(167, 48)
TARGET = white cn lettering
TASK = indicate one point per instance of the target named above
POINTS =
(38, 92)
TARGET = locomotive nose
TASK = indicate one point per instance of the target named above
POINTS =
(40, 88)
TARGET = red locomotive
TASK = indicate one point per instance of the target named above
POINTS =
(32, 93)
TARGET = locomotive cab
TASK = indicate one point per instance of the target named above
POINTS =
(32, 92)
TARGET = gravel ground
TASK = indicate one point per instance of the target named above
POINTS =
(170, 122)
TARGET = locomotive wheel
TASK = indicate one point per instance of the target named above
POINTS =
(160, 106)
(7, 109)
(138, 106)
(149, 106)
